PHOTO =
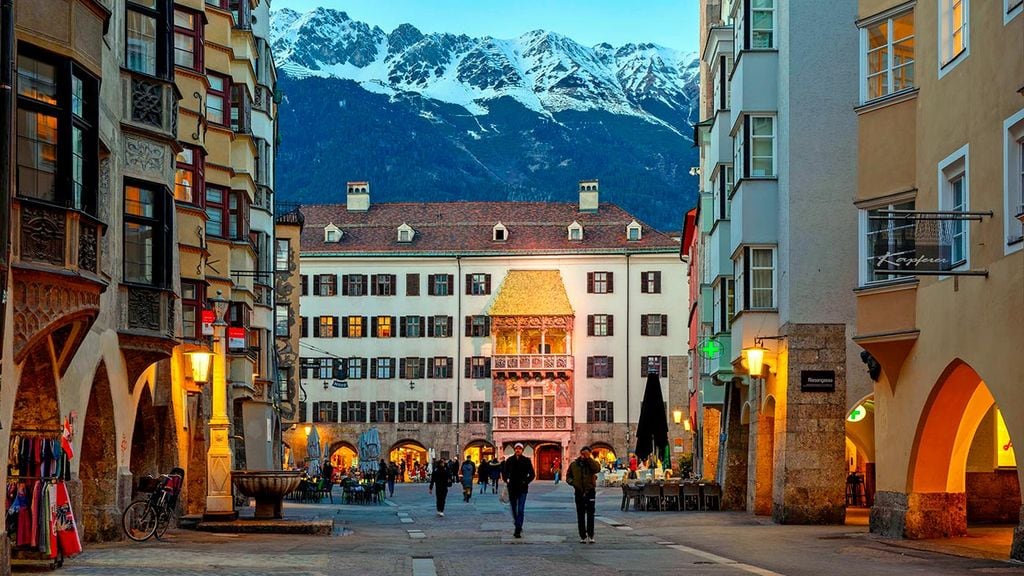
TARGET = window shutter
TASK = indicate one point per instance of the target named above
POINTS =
(487, 283)
(402, 326)
(344, 326)
(304, 280)
(590, 324)
(316, 327)
(664, 366)
(401, 367)
(451, 284)
(487, 411)
(466, 411)
(316, 285)
(611, 412)
(746, 278)
(344, 284)
(643, 282)
(487, 325)
(611, 285)
(373, 285)
(430, 412)
(412, 284)
(643, 324)
(746, 25)
(373, 367)
(746, 137)
(430, 284)
(362, 367)
(590, 411)
(401, 411)
(450, 323)
(344, 412)
(304, 323)
(423, 326)
(611, 362)
(590, 282)
(469, 284)
(373, 326)
(664, 324)
(469, 326)
(469, 367)
(363, 333)
(643, 365)
(611, 325)
(334, 323)
(590, 366)
(339, 368)
(657, 275)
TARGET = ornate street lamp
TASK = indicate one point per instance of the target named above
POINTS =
(200, 361)
(219, 502)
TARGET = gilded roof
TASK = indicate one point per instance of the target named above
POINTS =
(532, 293)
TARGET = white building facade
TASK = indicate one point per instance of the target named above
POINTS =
(466, 327)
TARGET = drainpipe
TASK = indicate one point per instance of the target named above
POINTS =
(7, 132)
(458, 354)
(629, 372)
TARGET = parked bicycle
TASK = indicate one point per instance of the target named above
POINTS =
(150, 517)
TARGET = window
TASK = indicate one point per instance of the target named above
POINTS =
(1014, 181)
(384, 284)
(412, 367)
(600, 366)
(325, 411)
(188, 178)
(281, 320)
(575, 231)
(382, 411)
(531, 401)
(282, 255)
(241, 109)
(382, 326)
(325, 285)
(356, 368)
(412, 284)
(147, 37)
(953, 197)
(332, 235)
(477, 411)
(650, 282)
(885, 239)
(600, 411)
(411, 327)
(440, 284)
(654, 325)
(600, 325)
(439, 412)
(217, 104)
(478, 326)
(147, 244)
(355, 326)
(303, 327)
(410, 411)
(354, 285)
(654, 365)
(188, 39)
(499, 233)
(954, 36)
(724, 304)
(326, 327)
(382, 368)
(723, 185)
(238, 215)
(353, 411)
(325, 368)
(405, 233)
(721, 80)
(440, 367)
(756, 278)
(599, 283)
(762, 23)
(478, 284)
(240, 13)
(761, 131)
(440, 326)
(216, 211)
(633, 233)
(888, 64)
(193, 295)
(478, 367)
(1012, 8)
(56, 142)
(304, 281)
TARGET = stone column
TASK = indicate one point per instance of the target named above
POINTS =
(923, 515)
(1017, 547)
(810, 472)
(710, 439)
(734, 464)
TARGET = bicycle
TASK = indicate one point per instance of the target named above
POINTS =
(144, 519)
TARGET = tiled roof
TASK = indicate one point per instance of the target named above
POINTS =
(532, 293)
(466, 228)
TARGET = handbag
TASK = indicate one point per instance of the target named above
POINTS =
(503, 496)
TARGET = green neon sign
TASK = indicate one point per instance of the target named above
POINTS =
(710, 348)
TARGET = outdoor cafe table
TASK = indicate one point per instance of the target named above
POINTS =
(702, 487)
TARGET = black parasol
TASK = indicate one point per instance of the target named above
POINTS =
(652, 427)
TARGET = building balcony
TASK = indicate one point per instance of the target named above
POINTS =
(887, 323)
(721, 149)
(754, 83)
(151, 103)
(529, 423)
(549, 362)
(146, 327)
(263, 199)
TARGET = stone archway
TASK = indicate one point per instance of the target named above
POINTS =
(36, 407)
(343, 455)
(97, 471)
(153, 439)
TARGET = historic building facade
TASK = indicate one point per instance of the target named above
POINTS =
(941, 134)
(465, 327)
(771, 177)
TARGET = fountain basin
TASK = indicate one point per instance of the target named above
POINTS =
(268, 487)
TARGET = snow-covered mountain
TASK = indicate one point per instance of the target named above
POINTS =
(542, 85)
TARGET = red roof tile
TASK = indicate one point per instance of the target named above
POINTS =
(466, 227)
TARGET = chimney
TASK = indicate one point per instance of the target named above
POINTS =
(357, 197)
(588, 195)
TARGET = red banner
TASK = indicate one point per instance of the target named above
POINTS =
(236, 338)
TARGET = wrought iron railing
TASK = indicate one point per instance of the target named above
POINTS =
(533, 422)
(532, 362)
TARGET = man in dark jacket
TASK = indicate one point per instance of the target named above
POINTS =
(582, 476)
(440, 478)
(484, 475)
(518, 473)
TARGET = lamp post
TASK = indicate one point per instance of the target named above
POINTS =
(219, 503)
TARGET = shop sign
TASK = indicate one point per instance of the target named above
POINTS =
(817, 380)
(208, 316)
(908, 242)
(236, 338)
(339, 384)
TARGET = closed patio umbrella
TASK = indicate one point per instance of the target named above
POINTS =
(369, 450)
(313, 453)
(652, 426)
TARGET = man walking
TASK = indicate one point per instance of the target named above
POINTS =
(518, 473)
(440, 478)
(582, 476)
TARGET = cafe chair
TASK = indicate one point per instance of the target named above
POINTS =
(670, 496)
(691, 496)
(652, 494)
(712, 497)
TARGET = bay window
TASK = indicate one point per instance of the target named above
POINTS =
(148, 37)
(762, 23)
(887, 64)
(761, 137)
(755, 280)
(238, 215)
(188, 177)
(218, 107)
(146, 234)
(216, 211)
(188, 39)
(954, 35)
(193, 296)
(884, 240)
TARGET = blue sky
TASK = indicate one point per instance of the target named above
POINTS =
(671, 23)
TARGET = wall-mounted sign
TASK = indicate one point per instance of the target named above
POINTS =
(207, 317)
(236, 338)
(710, 349)
(857, 414)
(817, 380)
(908, 242)
(339, 384)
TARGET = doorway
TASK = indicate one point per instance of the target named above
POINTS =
(548, 459)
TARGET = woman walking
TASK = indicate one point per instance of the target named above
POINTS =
(440, 478)
(468, 472)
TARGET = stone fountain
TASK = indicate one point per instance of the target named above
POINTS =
(268, 487)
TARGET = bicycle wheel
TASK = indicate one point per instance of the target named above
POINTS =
(163, 521)
(139, 521)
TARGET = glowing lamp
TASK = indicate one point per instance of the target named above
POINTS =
(308, 429)
(857, 414)
(686, 424)
(755, 360)
(200, 361)
(677, 416)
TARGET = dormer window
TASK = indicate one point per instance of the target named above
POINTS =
(499, 233)
(332, 233)
(405, 233)
(634, 231)
(575, 231)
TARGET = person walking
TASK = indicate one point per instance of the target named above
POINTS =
(392, 476)
(582, 476)
(468, 474)
(483, 473)
(556, 469)
(518, 473)
(442, 480)
(495, 472)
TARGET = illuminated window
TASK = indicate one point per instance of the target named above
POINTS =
(887, 64)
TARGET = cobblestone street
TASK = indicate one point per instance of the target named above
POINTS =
(405, 536)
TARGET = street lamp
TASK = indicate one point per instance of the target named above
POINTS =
(219, 502)
(200, 360)
(677, 415)
(755, 355)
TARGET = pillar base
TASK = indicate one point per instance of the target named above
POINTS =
(1017, 547)
(5, 555)
(920, 515)
(808, 514)
(228, 516)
